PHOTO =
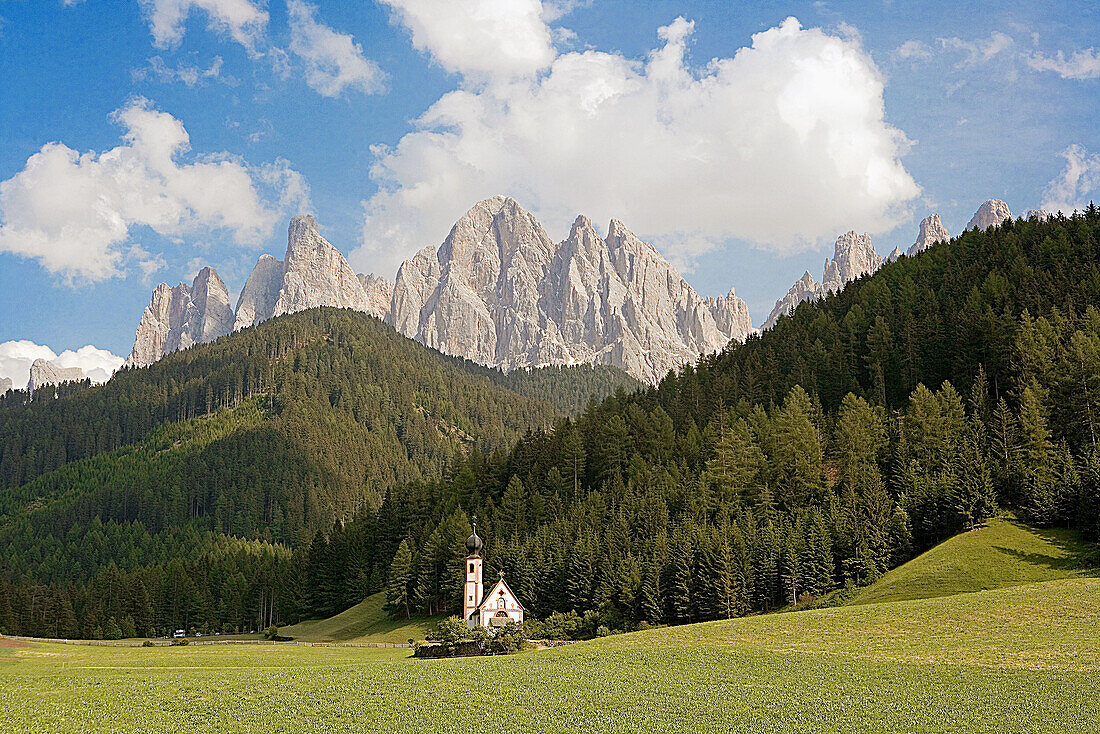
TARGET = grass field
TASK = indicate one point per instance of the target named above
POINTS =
(1022, 659)
(364, 622)
(1003, 553)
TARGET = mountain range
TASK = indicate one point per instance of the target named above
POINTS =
(498, 291)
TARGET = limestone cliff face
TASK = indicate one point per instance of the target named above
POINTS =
(989, 214)
(256, 303)
(931, 232)
(379, 294)
(498, 291)
(313, 273)
(5, 384)
(47, 373)
(180, 316)
(853, 257)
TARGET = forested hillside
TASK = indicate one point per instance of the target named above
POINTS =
(860, 431)
(267, 435)
(855, 434)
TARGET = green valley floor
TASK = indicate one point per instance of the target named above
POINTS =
(1018, 659)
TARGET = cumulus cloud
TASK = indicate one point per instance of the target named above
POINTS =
(334, 61)
(74, 212)
(917, 50)
(981, 50)
(1076, 185)
(16, 358)
(1081, 65)
(243, 20)
(481, 39)
(784, 144)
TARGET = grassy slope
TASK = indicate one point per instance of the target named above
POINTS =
(1023, 659)
(1004, 553)
(364, 622)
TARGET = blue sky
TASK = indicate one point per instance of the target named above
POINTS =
(193, 130)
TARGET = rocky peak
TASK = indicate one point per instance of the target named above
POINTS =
(5, 384)
(804, 289)
(1040, 214)
(500, 292)
(180, 316)
(256, 302)
(47, 373)
(894, 255)
(931, 232)
(853, 257)
(990, 214)
(313, 273)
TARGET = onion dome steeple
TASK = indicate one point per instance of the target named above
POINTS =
(473, 543)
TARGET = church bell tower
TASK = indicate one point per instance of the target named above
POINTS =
(472, 594)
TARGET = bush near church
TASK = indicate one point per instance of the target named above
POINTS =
(452, 638)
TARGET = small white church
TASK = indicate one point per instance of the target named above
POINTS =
(487, 609)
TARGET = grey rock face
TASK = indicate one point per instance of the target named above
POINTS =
(893, 256)
(853, 256)
(1041, 214)
(180, 316)
(316, 274)
(260, 293)
(498, 291)
(5, 384)
(931, 232)
(47, 373)
(379, 294)
(313, 273)
(989, 214)
(804, 289)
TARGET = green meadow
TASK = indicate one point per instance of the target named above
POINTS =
(1005, 552)
(1021, 659)
(367, 621)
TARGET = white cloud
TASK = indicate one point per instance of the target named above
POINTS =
(334, 61)
(554, 9)
(74, 212)
(1076, 185)
(189, 74)
(784, 144)
(980, 50)
(918, 50)
(16, 358)
(481, 39)
(1081, 65)
(243, 20)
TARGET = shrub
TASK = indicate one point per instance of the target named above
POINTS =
(449, 632)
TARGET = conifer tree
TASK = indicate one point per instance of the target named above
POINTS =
(397, 585)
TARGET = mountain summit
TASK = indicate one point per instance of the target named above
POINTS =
(500, 292)
(180, 316)
(313, 273)
(497, 291)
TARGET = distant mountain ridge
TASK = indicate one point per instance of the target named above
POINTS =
(854, 256)
(497, 291)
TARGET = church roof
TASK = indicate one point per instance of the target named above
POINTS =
(493, 590)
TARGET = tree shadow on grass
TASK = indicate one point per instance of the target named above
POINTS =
(1077, 555)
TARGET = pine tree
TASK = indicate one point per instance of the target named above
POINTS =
(397, 585)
